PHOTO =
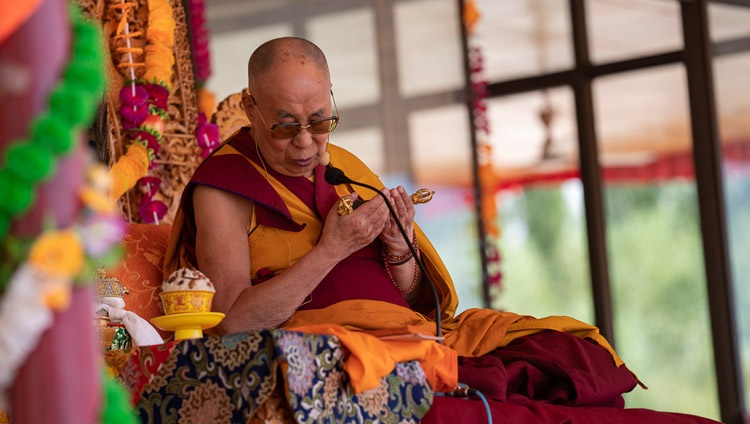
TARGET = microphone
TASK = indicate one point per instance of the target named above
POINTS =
(335, 176)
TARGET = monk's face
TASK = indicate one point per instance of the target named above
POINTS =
(295, 92)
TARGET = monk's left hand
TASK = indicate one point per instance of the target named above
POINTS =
(404, 208)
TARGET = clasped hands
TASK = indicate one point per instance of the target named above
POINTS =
(347, 233)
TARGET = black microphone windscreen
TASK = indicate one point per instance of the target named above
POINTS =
(335, 176)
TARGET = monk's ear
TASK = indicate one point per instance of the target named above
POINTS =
(247, 104)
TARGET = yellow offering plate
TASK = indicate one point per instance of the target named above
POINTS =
(189, 325)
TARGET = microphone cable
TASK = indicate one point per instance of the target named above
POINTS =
(335, 176)
(464, 391)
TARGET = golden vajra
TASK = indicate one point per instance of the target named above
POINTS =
(347, 206)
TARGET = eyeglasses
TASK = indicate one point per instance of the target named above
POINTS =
(290, 130)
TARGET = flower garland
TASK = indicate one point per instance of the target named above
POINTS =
(144, 104)
(58, 258)
(201, 57)
(206, 133)
(487, 176)
(199, 40)
(30, 162)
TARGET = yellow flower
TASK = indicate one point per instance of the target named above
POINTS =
(58, 253)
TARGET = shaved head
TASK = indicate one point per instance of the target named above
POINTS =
(280, 52)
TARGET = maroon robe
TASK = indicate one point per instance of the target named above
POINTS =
(360, 276)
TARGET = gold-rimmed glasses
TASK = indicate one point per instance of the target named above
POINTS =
(290, 130)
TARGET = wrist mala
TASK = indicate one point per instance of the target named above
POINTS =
(392, 260)
(393, 280)
(395, 260)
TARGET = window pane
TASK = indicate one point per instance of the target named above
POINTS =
(662, 324)
(523, 37)
(543, 244)
(642, 115)
(352, 59)
(450, 223)
(732, 82)
(428, 46)
(544, 252)
(365, 143)
(621, 29)
(728, 21)
(441, 153)
(440, 145)
(518, 133)
(232, 50)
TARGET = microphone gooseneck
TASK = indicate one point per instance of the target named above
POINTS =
(335, 176)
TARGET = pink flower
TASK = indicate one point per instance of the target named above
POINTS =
(207, 135)
(158, 95)
(148, 138)
(130, 97)
(206, 152)
(150, 185)
(133, 113)
(152, 210)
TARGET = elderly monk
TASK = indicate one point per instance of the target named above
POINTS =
(260, 220)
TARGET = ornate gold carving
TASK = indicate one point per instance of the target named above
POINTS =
(345, 207)
(108, 287)
(423, 195)
(230, 115)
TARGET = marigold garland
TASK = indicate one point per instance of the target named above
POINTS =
(126, 172)
(144, 100)
(160, 38)
(486, 172)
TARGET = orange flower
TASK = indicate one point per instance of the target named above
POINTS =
(159, 62)
(471, 16)
(58, 253)
(161, 26)
(160, 37)
(487, 181)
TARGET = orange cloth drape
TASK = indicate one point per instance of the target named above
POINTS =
(372, 358)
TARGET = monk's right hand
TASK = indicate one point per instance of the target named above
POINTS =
(344, 235)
